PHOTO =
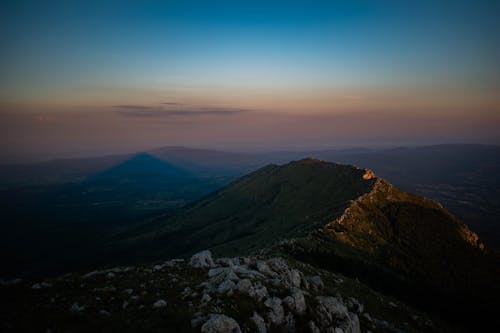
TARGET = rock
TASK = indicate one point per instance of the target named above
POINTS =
(129, 291)
(259, 322)
(331, 312)
(315, 282)
(313, 328)
(259, 292)
(124, 305)
(206, 298)
(290, 323)
(75, 308)
(199, 318)
(219, 323)
(218, 270)
(91, 274)
(264, 268)
(296, 302)
(160, 304)
(10, 282)
(41, 285)
(226, 286)
(245, 286)
(110, 275)
(228, 262)
(275, 314)
(104, 313)
(202, 259)
(278, 264)
(354, 305)
(295, 277)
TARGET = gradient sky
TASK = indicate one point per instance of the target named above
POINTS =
(91, 77)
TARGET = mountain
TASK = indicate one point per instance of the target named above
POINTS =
(339, 217)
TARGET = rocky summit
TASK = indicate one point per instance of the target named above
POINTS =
(241, 294)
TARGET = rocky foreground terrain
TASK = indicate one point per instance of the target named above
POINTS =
(243, 294)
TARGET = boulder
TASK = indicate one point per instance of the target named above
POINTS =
(296, 302)
(331, 312)
(219, 323)
(202, 259)
(275, 313)
(160, 304)
(259, 322)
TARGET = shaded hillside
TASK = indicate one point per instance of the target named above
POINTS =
(53, 229)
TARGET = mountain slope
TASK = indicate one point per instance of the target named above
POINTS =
(344, 219)
(262, 208)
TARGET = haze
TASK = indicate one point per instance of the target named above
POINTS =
(91, 77)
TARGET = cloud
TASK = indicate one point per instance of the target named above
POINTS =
(144, 111)
(171, 103)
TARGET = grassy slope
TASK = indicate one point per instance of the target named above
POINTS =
(262, 208)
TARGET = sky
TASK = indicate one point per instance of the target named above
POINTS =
(98, 77)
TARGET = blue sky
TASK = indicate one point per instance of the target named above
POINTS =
(304, 57)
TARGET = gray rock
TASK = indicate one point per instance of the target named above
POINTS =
(290, 323)
(218, 270)
(202, 259)
(206, 298)
(219, 323)
(296, 302)
(295, 277)
(275, 313)
(259, 322)
(228, 262)
(259, 292)
(278, 264)
(226, 287)
(160, 304)
(75, 308)
(331, 312)
(245, 287)
(313, 328)
(315, 282)
(264, 268)
(199, 318)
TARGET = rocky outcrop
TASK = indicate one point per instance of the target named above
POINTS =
(242, 294)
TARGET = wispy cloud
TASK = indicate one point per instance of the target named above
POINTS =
(144, 111)
(171, 103)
